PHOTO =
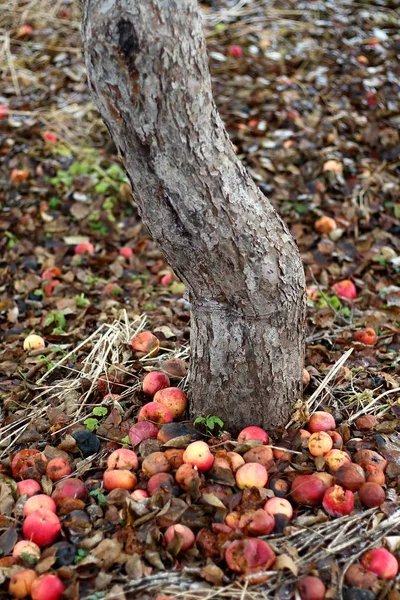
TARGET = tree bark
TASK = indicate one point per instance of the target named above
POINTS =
(148, 71)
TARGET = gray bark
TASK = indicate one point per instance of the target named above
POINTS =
(148, 70)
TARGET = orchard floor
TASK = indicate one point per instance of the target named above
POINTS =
(311, 100)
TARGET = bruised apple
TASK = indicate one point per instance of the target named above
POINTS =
(338, 502)
(58, 468)
(146, 343)
(261, 454)
(311, 588)
(70, 488)
(156, 413)
(249, 555)
(26, 550)
(174, 399)
(21, 583)
(123, 458)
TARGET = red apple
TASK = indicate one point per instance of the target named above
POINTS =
(249, 555)
(156, 413)
(235, 51)
(49, 136)
(311, 588)
(123, 458)
(338, 502)
(183, 532)
(174, 399)
(253, 433)
(161, 482)
(279, 506)
(4, 111)
(70, 488)
(126, 252)
(28, 487)
(84, 248)
(251, 475)
(119, 478)
(58, 468)
(39, 502)
(371, 494)
(381, 562)
(198, 455)
(142, 431)
(321, 421)
(256, 522)
(47, 587)
(308, 490)
(345, 289)
(41, 527)
(139, 495)
(154, 382)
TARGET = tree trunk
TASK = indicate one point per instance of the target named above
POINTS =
(148, 71)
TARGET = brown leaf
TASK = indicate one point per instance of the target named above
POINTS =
(284, 561)
(212, 573)
(107, 553)
(7, 541)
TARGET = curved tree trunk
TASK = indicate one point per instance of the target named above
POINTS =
(148, 70)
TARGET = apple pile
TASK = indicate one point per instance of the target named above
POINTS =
(253, 488)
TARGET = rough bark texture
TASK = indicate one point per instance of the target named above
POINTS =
(148, 70)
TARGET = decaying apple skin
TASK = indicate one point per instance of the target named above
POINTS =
(371, 494)
(311, 588)
(249, 555)
(338, 502)
(156, 413)
(350, 476)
